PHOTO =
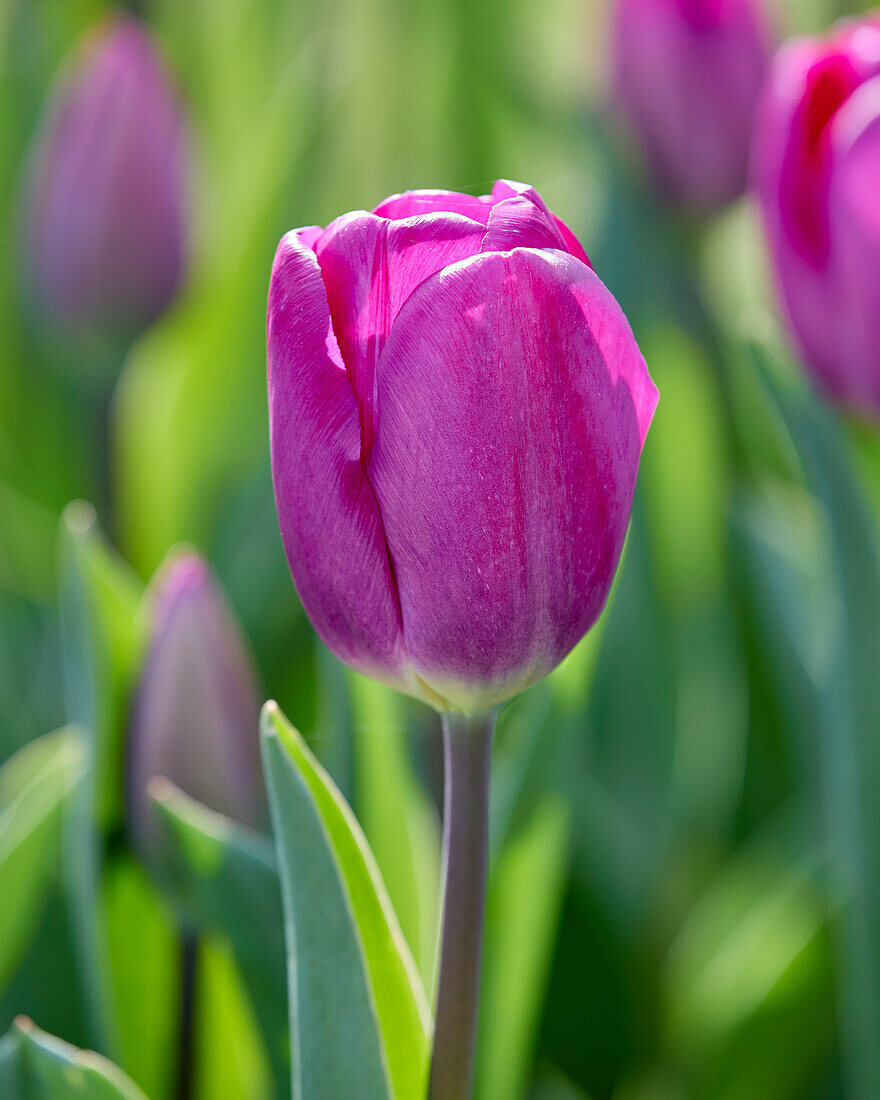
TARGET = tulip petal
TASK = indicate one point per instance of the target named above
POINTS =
(513, 407)
(409, 204)
(370, 267)
(559, 231)
(330, 523)
(518, 223)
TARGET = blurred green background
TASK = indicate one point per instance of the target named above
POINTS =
(685, 892)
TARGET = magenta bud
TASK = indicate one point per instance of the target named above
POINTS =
(195, 716)
(104, 221)
(688, 74)
(817, 173)
(457, 410)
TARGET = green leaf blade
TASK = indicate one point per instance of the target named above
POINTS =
(47, 1067)
(359, 1017)
(33, 787)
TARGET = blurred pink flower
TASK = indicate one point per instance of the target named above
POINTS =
(196, 710)
(104, 220)
(817, 173)
(688, 74)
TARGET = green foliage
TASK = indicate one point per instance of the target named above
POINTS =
(359, 1018)
(685, 889)
(34, 785)
(37, 1066)
(224, 877)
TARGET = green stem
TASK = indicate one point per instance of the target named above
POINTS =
(467, 747)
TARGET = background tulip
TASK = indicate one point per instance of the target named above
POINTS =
(457, 410)
(688, 74)
(817, 170)
(197, 706)
(104, 196)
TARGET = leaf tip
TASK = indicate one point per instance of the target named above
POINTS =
(79, 517)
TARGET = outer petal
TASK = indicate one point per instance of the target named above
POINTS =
(370, 267)
(330, 523)
(514, 403)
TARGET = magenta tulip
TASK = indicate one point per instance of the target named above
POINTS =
(104, 218)
(457, 411)
(817, 172)
(688, 74)
(196, 711)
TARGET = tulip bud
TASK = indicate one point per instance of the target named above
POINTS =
(688, 74)
(196, 711)
(817, 173)
(457, 411)
(104, 196)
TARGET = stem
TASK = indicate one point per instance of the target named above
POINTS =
(185, 1059)
(467, 746)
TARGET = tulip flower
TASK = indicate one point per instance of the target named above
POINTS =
(196, 709)
(817, 174)
(457, 411)
(104, 196)
(688, 74)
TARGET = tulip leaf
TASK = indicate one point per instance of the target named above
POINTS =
(101, 644)
(34, 1064)
(522, 912)
(230, 1056)
(848, 707)
(747, 981)
(33, 786)
(223, 876)
(145, 982)
(401, 826)
(359, 1017)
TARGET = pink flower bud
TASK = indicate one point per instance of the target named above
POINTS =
(196, 711)
(457, 411)
(688, 74)
(817, 172)
(105, 193)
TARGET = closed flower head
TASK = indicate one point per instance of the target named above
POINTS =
(688, 74)
(105, 192)
(457, 410)
(196, 709)
(817, 173)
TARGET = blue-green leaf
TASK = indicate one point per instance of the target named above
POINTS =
(359, 1017)
(36, 1065)
(33, 786)
(398, 819)
(224, 877)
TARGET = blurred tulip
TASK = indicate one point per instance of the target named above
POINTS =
(104, 197)
(688, 74)
(196, 711)
(457, 411)
(817, 172)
